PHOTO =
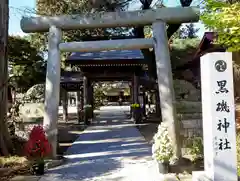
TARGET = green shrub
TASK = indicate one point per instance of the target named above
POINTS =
(183, 50)
(188, 107)
(184, 90)
(186, 116)
(88, 111)
(35, 94)
(135, 105)
(238, 153)
(195, 146)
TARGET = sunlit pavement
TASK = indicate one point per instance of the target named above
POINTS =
(112, 149)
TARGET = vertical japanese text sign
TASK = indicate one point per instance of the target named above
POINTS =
(219, 131)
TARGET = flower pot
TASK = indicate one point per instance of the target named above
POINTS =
(163, 167)
(38, 168)
(137, 115)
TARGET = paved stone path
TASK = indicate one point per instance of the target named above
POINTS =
(112, 149)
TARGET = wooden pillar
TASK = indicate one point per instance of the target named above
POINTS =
(135, 94)
(131, 92)
(144, 102)
(52, 87)
(157, 104)
(135, 89)
(81, 98)
(65, 104)
(131, 97)
(165, 83)
(92, 100)
(78, 105)
(90, 97)
(149, 99)
(85, 90)
(85, 97)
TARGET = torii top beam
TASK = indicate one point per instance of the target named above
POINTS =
(110, 19)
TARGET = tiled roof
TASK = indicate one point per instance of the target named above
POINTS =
(107, 55)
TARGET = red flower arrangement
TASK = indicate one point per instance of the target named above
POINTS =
(38, 145)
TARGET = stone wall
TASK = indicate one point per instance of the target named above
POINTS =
(190, 128)
(190, 114)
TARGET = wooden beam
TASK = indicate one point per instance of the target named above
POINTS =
(96, 46)
(111, 19)
(108, 75)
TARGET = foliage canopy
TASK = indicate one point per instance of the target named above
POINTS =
(27, 66)
(55, 7)
(224, 17)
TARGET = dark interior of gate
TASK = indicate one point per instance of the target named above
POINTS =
(113, 65)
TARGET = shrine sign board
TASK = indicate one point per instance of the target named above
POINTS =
(219, 130)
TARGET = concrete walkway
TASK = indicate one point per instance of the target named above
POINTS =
(112, 149)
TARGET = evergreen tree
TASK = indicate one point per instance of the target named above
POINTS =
(56, 7)
(27, 66)
(191, 31)
(187, 31)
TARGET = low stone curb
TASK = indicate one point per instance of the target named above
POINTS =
(54, 163)
(49, 164)
(3, 171)
(174, 177)
(26, 178)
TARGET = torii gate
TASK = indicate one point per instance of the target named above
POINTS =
(158, 18)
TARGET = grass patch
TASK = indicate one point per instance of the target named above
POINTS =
(12, 166)
(13, 161)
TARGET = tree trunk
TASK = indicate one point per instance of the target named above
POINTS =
(5, 140)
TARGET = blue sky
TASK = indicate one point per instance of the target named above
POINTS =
(17, 11)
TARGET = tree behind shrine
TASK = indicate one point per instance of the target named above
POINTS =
(188, 31)
(27, 66)
(5, 141)
(55, 7)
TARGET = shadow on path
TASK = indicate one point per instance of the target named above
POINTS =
(111, 149)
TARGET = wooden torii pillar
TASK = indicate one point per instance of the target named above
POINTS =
(157, 17)
(135, 94)
(78, 105)
(158, 108)
(85, 98)
(65, 104)
(131, 97)
(144, 101)
(91, 98)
